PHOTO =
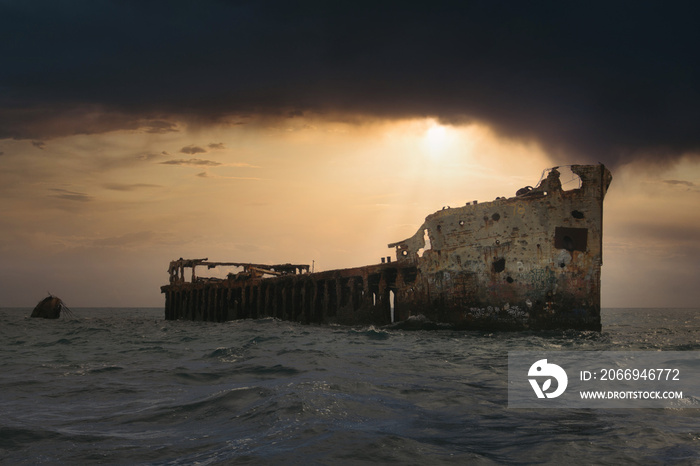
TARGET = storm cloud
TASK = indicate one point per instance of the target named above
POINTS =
(592, 81)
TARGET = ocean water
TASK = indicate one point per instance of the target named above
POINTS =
(124, 386)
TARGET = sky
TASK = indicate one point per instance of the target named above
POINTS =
(133, 133)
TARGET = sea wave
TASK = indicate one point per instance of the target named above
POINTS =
(124, 386)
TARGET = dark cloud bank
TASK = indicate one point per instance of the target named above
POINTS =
(601, 81)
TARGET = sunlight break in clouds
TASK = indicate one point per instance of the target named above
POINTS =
(440, 139)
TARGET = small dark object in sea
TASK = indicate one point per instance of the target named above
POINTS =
(50, 308)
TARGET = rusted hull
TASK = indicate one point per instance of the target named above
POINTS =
(532, 261)
(49, 308)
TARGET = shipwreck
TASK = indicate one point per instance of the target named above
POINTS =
(531, 261)
(50, 308)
